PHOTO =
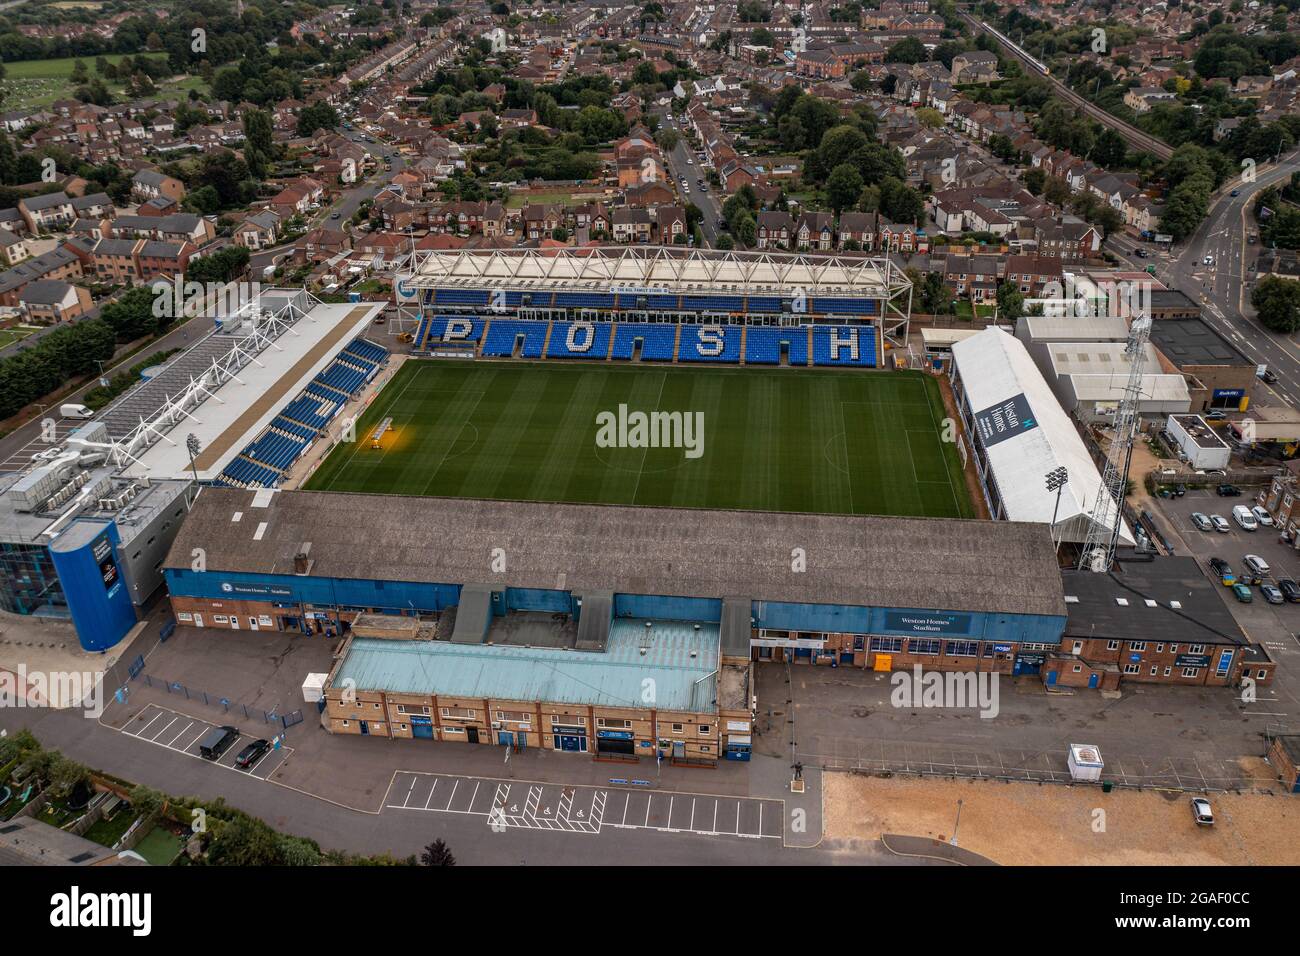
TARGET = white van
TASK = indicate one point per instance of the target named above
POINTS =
(75, 411)
(1244, 518)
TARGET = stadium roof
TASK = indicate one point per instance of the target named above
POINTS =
(923, 563)
(657, 268)
(680, 660)
(236, 382)
(1002, 382)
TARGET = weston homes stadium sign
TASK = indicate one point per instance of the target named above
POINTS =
(1006, 419)
(931, 622)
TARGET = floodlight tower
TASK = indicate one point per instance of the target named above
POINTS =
(1107, 515)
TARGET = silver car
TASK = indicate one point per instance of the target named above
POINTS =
(1202, 521)
(1220, 523)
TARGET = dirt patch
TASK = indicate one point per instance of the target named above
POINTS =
(1028, 824)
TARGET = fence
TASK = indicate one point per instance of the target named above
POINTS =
(285, 721)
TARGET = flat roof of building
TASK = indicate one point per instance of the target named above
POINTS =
(1199, 431)
(1193, 342)
(680, 659)
(852, 560)
(1166, 599)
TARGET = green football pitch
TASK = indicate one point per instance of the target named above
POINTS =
(837, 442)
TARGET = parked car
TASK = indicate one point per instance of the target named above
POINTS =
(1223, 571)
(1217, 415)
(1290, 590)
(1220, 523)
(1228, 491)
(1262, 516)
(1272, 594)
(1245, 518)
(1257, 565)
(1180, 489)
(216, 741)
(1202, 522)
(1242, 593)
(1201, 812)
(252, 753)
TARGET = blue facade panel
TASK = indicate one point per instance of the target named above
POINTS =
(85, 558)
(665, 608)
(539, 599)
(292, 589)
(917, 622)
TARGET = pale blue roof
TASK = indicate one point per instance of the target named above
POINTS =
(682, 663)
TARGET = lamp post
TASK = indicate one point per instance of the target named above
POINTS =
(1056, 479)
(192, 446)
(956, 825)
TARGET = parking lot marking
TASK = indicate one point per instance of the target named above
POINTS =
(582, 809)
(227, 759)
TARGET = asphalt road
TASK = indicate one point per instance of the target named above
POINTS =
(349, 203)
(703, 196)
(1223, 288)
(337, 827)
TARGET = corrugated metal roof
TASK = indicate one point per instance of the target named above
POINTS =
(676, 672)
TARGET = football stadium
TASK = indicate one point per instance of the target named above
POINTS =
(570, 473)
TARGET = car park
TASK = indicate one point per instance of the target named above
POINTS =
(1223, 571)
(1242, 593)
(1202, 813)
(1245, 518)
(1262, 516)
(1290, 590)
(1202, 521)
(252, 753)
(1272, 593)
(1220, 523)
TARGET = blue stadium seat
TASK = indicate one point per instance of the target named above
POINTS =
(763, 303)
(584, 300)
(438, 328)
(366, 353)
(692, 348)
(307, 409)
(293, 428)
(836, 305)
(657, 341)
(460, 297)
(501, 335)
(763, 345)
(597, 339)
(663, 302)
(866, 343)
(713, 303)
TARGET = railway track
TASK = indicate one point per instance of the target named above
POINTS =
(1131, 134)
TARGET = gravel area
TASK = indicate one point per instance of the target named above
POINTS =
(1029, 824)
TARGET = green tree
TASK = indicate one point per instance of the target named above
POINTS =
(437, 854)
(843, 186)
(1277, 301)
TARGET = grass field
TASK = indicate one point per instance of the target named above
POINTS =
(32, 83)
(776, 440)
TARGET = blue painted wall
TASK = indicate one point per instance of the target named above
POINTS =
(538, 599)
(85, 558)
(915, 622)
(666, 608)
(292, 589)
